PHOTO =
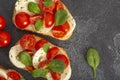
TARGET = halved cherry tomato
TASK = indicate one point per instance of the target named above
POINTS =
(5, 38)
(30, 68)
(60, 31)
(2, 22)
(36, 17)
(22, 19)
(52, 52)
(2, 78)
(14, 75)
(58, 6)
(49, 20)
(55, 76)
(44, 8)
(40, 43)
(43, 64)
(62, 58)
(28, 42)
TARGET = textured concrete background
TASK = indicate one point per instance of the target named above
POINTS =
(98, 26)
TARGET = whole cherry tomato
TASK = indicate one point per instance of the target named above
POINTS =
(5, 38)
(22, 20)
(49, 20)
(2, 22)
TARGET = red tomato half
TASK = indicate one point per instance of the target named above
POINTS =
(58, 6)
(28, 41)
(5, 38)
(43, 64)
(14, 75)
(30, 68)
(52, 52)
(40, 43)
(44, 8)
(36, 17)
(49, 20)
(60, 31)
(62, 58)
(55, 76)
(2, 78)
(2, 22)
(22, 20)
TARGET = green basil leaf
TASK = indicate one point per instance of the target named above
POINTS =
(22, 79)
(25, 58)
(61, 17)
(47, 3)
(33, 7)
(38, 25)
(46, 47)
(56, 66)
(93, 59)
(39, 73)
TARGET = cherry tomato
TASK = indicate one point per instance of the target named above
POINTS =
(22, 20)
(43, 64)
(60, 31)
(55, 76)
(58, 6)
(40, 43)
(52, 52)
(14, 75)
(5, 38)
(28, 42)
(30, 68)
(2, 22)
(46, 9)
(2, 78)
(36, 17)
(49, 20)
(62, 58)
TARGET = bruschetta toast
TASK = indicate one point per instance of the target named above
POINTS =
(47, 17)
(9, 74)
(41, 58)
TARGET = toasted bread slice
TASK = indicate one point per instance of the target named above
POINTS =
(39, 56)
(9, 74)
(22, 6)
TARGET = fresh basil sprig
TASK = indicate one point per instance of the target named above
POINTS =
(25, 58)
(33, 7)
(93, 59)
(38, 25)
(48, 3)
(22, 79)
(39, 72)
(56, 66)
(61, 17)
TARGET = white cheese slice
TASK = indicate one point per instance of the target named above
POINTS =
(3, 73)
(40, 55)
(14, 51)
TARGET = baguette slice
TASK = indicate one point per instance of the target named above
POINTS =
(9, 74)
(22, 6)
(38, 56)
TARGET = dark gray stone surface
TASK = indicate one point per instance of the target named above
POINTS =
(98, 26)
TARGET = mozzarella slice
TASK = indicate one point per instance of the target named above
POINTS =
(40, 55)
(14, 51)
(3, 73)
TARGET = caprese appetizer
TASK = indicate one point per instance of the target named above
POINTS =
(41, 58)
(47, 17)
(9, 74)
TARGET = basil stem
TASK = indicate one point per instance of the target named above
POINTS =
(93, 59)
